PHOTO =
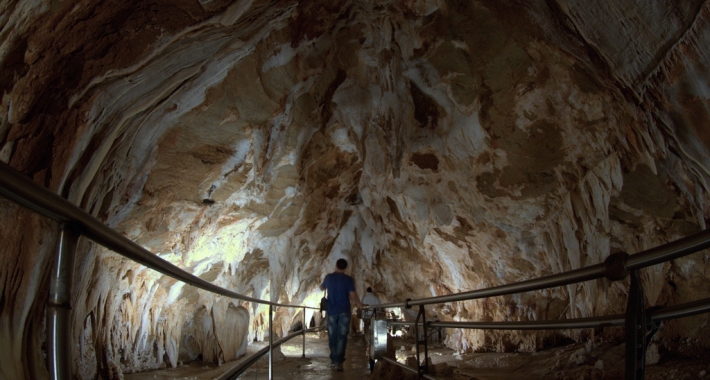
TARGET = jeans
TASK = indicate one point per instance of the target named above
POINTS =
(338, 328)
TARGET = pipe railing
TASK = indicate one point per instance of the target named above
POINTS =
(28, 193)
(74, 223)
(680, 311)
(408, 369)
(671, 312)
(615, 267)
(640, 323)
(59, 304)
(238, 370)
(657, 315)
(587, 273)
(669, 251)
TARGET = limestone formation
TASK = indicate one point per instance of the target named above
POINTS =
(440, 146)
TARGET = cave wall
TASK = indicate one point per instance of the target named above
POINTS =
(439, 146)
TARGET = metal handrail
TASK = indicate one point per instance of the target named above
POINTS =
(74, 223)
(587, 273)
(640, 323)
(408, 368)
(577, 323)
(26, 192)
(236, 371)
(669, 251)
(682, 310)
(649, 257)
(671, 312)
(633, 370)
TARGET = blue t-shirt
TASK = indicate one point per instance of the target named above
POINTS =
(339, 286)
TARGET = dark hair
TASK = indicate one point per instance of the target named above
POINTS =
(341, 264)
(369, 289)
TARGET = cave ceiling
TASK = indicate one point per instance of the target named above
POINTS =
(439, 146)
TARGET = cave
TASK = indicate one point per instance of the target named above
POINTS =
(440, 146)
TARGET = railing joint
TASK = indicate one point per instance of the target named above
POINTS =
(615, 266)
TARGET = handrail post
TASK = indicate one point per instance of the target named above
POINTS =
(59, 305)
(271, 345)
(303, 329)
(422, 369)
(639, 330)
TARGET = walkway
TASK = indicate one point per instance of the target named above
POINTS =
(595, 359)
(290, 366)
(316, 365)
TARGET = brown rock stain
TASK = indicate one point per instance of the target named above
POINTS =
(426, 110)
(646, 191)
(212, 154)
(425, 161)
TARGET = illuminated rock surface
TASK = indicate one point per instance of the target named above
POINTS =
(440, 147)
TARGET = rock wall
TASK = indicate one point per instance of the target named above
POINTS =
(439, 146)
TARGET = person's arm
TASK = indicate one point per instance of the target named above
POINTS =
(356, 300)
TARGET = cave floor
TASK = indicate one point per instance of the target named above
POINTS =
(316, 365)
(601, 361)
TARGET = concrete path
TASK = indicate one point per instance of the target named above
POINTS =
(316, 365)
(289, 366)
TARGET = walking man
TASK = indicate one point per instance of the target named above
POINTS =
(341, 290)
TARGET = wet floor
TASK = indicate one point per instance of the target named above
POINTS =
(290, 365)
(316, 365)
(601, 359)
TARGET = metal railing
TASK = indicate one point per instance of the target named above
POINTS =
(76, 222)
(640, 323)
(242, 367)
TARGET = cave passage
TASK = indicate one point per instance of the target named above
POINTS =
(439, 146)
